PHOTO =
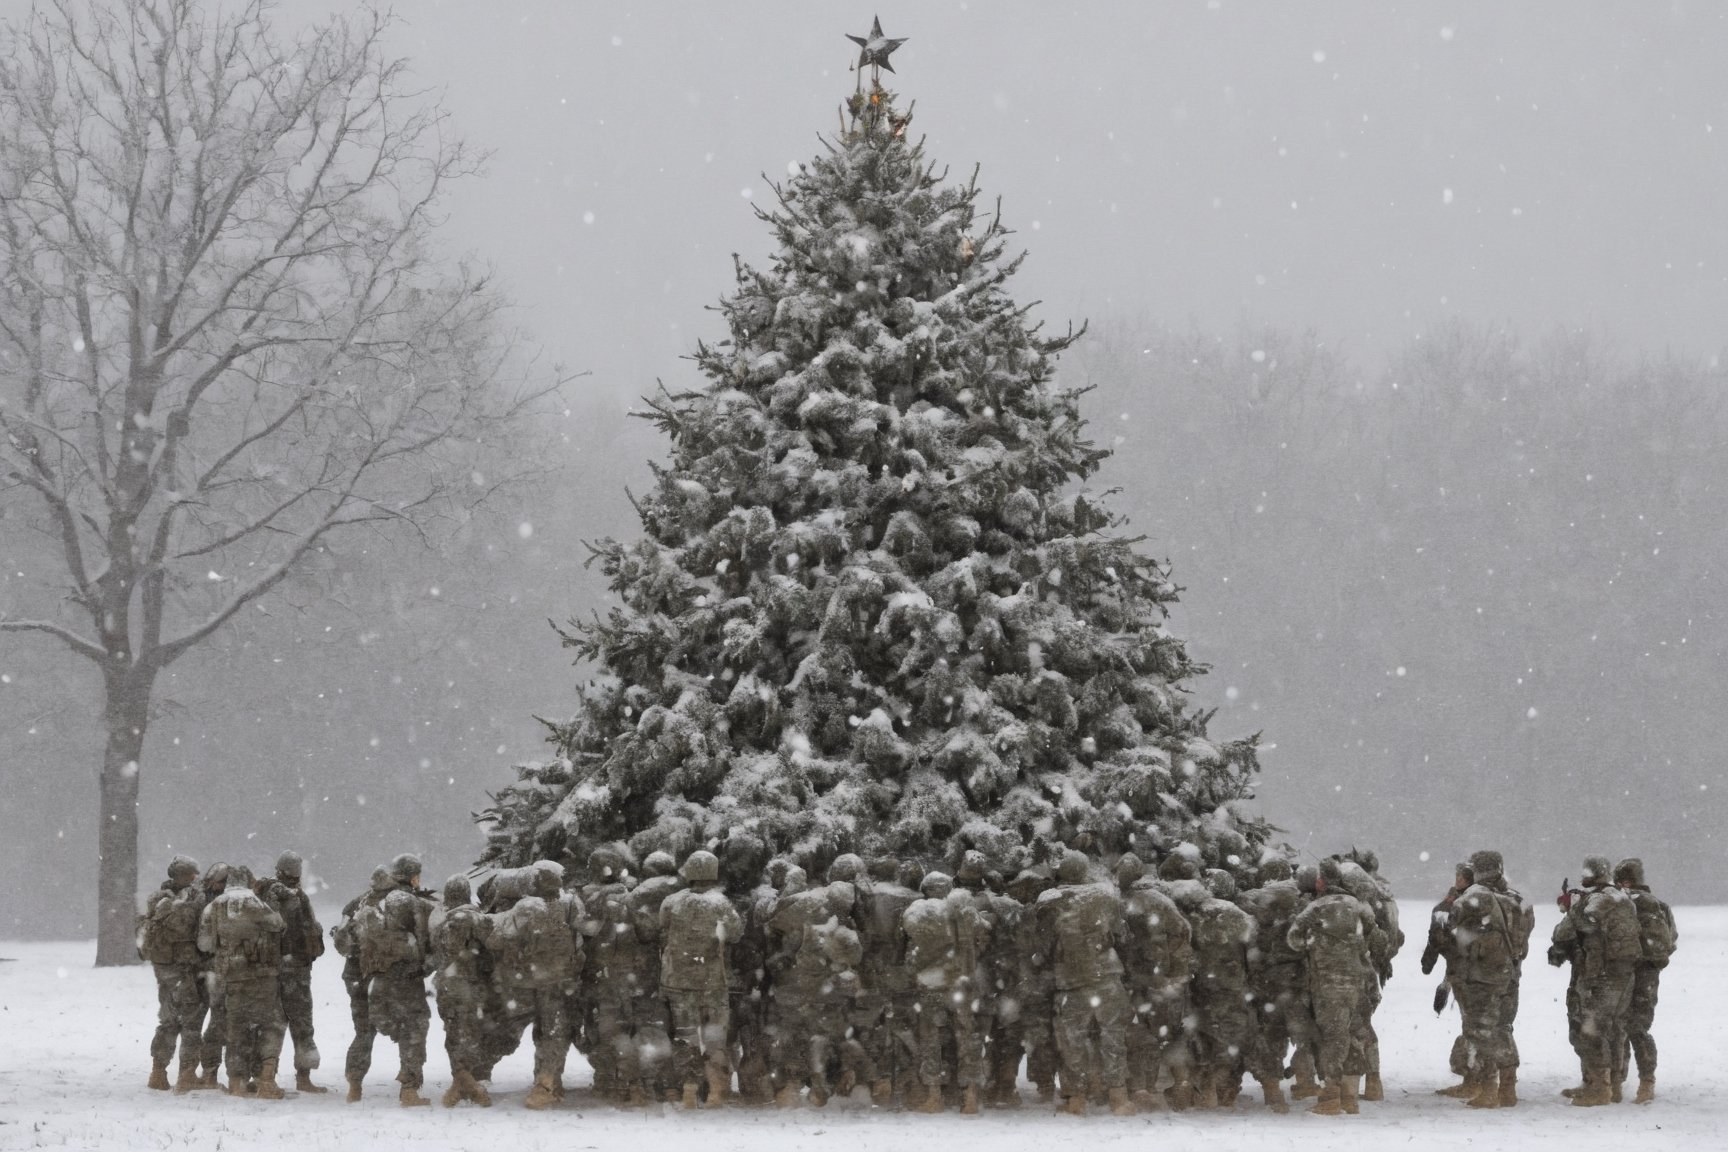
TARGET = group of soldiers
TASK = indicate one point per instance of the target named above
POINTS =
(1616, 935)
(1131, 989)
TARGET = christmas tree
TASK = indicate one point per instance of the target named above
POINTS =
(873, 608)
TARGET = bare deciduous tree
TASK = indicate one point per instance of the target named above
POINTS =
(224, 334)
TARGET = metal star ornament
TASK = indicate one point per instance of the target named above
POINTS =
(875, 47)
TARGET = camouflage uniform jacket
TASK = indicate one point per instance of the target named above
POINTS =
(243, 933)
(1088, 923)
(172, 925)
(697, 930)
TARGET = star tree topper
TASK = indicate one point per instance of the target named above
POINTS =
(876, 47)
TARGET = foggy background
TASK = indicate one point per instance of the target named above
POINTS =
(1407, 325)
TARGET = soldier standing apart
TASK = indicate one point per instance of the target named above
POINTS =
(1334, 934)
(934, 928)
(1441, 946)
(302, 943)
(395, 951)
(345, 937)
(1600, 937)
(1092, 1008)
(698, 927)
(1490, 928)
(168, 939)
(460, 932)
(1658, 938)
(244, 934)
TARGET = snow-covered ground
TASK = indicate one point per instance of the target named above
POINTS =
(74, 1056)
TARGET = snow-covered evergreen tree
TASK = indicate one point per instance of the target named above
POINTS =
(873, 608)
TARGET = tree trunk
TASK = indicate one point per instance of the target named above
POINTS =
(125, 714)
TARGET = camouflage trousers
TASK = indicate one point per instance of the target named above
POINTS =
(545, 1008)
(295, 983)
(1158, 1035)
(1604, 1001)
(1038, 1036)
(462, 1009)
(397, 1008)
(750, 1041)
(1280, 1012)
(1224, 1038)
(1004, 1046)
(1488, 1008)
(809, 1031)
(1636, 1040)
(1337, 1011)
(254, 1023)
(359, 1061)
(631, 1042)
(1367, 1039)
(944, 1015)
(1092, 1023)
(215, 1022)
(179, 1014)
(701, 1021)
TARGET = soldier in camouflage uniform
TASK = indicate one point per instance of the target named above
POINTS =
(395, 958)
(1157, 959)
(1658, 940)
(1092, 1009)
(214, 883)
(653, 1028)
(1440, 946)
(1600, 937)
(995, 1010)
(607, 990)
(814, 953)
(244, 934)
(460, 978)
(359, 1058)
(1275, 975)
(1335, 935)
(936, 929)
(884, 1021)
(302, 943)
(1490, 928)
(1224, 1038)
(1362, 882)
(168, 939)
(535, 940)
(1036, 989)
(697, 928)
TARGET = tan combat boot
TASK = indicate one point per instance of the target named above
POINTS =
(635, 1096)
(542, 1095)
(1616, 1090)
(1595, 1092)
(1074, 1105)
(1273, 1091)
(453, 1095)
(882, 1092)
(1180, 1095)
(1509, 1087)
(1330, 1102)
(188, 1081)
(929, 1099)
(303, 1082)
(1347, 1096)
(719, 1087)
(1465, 1089)
(1582, 1086)
(268, 1089)
(353, 1091)
(411, 1098)
(1121, 1104)
(1306, 1086)
(1646, 1090)
(1487, 1092)
(475, 1090)
(1206, 1091)
(1373, 1090)
(786, 1096)
(158, 1078)
(238, 1086)
(691, 1096)
(969, 1105)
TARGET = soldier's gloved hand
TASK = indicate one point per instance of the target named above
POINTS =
(1427, 963)
(1556, 957)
